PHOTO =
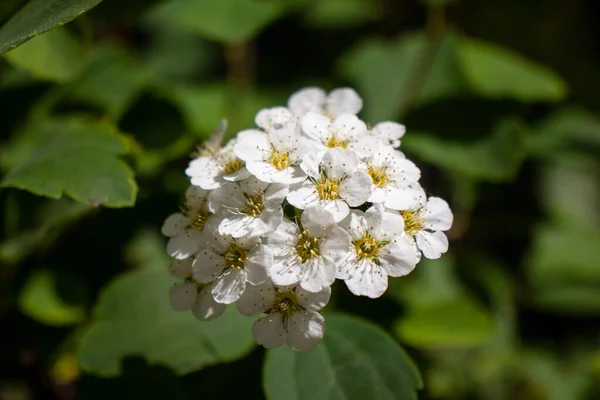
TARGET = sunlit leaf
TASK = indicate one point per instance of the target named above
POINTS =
(133, 317)
(356, 360)
(38, 16)
(336, 14)
(456, 323)
(39, 300)
(496, 72)
(228, 21)
(391, 76)
(496, 158)
(75, 157)
(54, 56)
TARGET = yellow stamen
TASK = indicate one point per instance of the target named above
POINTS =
(307, 247)
(412, 221)
(235, 256)
(378, 176)
(328, 189)
(279, 159)
(254, 205)
(233, 166)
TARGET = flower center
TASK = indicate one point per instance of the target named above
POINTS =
(367, 247)
(198, 217)
(412, 222)
(285, 303)
(254, 205)
(235, 256)
(233, 166)
(378, 176)
(328, 189)
(279, 159)
(307, 247)
(335, 141)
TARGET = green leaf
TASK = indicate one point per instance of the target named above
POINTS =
(54, 216)
(457, 323)
(112, 81)
(39, 300)
(563, 128)
(227, 21)
(55, 56)
(38, 16)
(412, 69)
(355, 360)
(496, 158)
(342, 14)
(570, 190)
(75, 157)
(495, 72)
(133, 317)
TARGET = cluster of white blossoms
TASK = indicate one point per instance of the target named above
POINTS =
(279, 213)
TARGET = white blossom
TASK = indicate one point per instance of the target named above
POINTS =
(185, 229)
(307, 254)
(275, 118)
(292, 315)
(211, 170)
(273, 157)
(248, 208)
(230, 263)
(394, 178)
(345, 131)
(336, 182)
(190, 295)
(390, 132)
(379, 250)
(313, 99)
(425, 225)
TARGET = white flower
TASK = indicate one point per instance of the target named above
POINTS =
(335, 182)
(394, 178)
(346, 131)
(210, 171)
(274, 157)
(186, 228)
(308, 254)
(230, 263)
(249, 208)
(390, 132)
(425, 225)
(339, 101)
(379, 250)
(274, 118)
(190, 295)
(292, 316)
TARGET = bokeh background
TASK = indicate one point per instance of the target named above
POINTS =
(500, 100)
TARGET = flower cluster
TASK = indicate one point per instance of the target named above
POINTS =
(279, 213)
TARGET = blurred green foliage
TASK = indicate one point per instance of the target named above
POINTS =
(99, 118)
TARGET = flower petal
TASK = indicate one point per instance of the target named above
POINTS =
(305, 329)
(206, 308)
(337, 208)
(315, 219)
(356, 188)
(256, 299)
(182, 246)
(208, 266)
(316, 126)
(258, 264)
(343, 101)
(286, 270)
(338, 163)
(349, 126)
(313, 301)
(268, 331)
(196, 197)
(318, 273)
(306, 100)
(405, 197)
(183, 295)
(432, 244)
(303, 195)
(437, 214)
(174, 224)
(273, 118)
(367, 280)
(230, 286)
(181, 269)
(337, 244)
(399, 257)
(390, 131)
(252, 145)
